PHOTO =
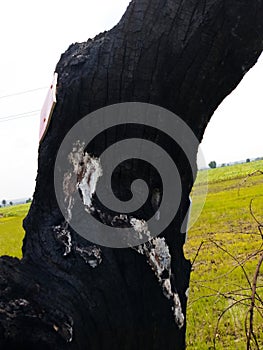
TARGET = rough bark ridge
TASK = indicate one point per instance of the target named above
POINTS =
(185, 56)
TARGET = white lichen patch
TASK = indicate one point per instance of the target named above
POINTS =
(69, 188)
(69, 181)
(21, 302)
(141, 227)
(157, 215)
(123, 218)
(88, 178)
(159, 255)
(76, 156)
(159, 258)
(91, 255)
(155, 201)
(65, 330)
(167, 288)
(140, 249)
(83, 177)
(70, 205)
(177, 309)
(63, 235)
(68, 330)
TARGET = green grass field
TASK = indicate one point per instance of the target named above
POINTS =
(229, 237)
(228, 232)
(11, 230)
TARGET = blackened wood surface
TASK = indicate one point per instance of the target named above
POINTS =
(185, 56)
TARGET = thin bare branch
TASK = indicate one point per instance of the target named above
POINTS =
(256, 172)
(197, 253)
(234, 258)
(252, 305)
(222, 314)
(253, 215)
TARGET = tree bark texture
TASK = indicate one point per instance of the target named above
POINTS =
(185, 56)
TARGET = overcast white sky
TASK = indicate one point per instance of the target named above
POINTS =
(33, 36)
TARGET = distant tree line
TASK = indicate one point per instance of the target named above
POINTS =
(4, 202)
(213, 163)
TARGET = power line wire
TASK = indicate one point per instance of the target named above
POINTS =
(23, 92)
(9, 120)
(19, 116)
(16, 115)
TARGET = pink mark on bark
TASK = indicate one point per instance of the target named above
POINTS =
(48, 108)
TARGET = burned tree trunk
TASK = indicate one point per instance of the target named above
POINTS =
(66, 292)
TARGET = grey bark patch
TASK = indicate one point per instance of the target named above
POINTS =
(91, 255)
(63, 235)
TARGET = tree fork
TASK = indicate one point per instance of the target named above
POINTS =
(185, 56)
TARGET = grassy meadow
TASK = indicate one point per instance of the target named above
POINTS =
(224, 244)
(11, 230)
(228, 238)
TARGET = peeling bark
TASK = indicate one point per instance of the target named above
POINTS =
(186, 56)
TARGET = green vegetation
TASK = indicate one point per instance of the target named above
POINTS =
(212, 164)
(225, 227)
(232, 172)
(11, 230)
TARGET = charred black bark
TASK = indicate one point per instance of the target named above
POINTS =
(186, 56)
